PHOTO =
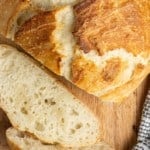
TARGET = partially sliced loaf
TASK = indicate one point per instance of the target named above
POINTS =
(22, 141)
(93, 59)
(35, 102)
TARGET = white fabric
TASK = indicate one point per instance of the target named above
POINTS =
(143, 141)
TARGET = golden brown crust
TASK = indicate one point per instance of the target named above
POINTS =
(35, 37)
(108, 80)
(122, 92)
(82, 77)
(105, 25)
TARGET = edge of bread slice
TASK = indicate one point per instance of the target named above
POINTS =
(35, 102)
(22, 141)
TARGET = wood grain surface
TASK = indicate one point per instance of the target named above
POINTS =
(119, 121)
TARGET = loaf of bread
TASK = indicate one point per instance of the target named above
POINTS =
(103, 47)
(22, 141)
(35, 102)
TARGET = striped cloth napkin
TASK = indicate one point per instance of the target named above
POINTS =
(143, 141)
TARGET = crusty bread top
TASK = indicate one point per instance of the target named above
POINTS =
(107, 25)
(112, 48)
(116, 32)
(47, 37)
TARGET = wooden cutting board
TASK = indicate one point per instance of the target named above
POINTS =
(119, 121)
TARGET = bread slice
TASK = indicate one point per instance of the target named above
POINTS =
(35, 102)
(21, 141)
(107, 56)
